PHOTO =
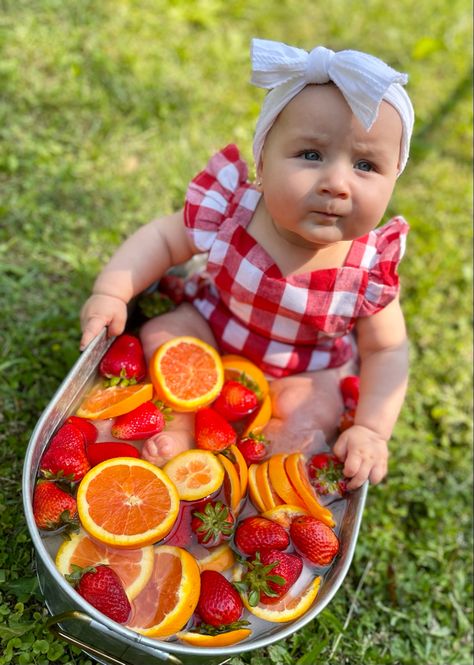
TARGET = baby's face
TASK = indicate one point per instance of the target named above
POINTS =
(324, 177)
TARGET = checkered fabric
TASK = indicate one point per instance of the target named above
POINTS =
(290, 324)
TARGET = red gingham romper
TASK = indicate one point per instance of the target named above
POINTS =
(290, 324)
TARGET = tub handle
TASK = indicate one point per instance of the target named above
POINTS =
(52, 625)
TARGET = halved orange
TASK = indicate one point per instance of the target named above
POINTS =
(134, 567)
(269, 497)
(195, 473)
(284, 514)
(235, 365)
(127, 502)
(261, 418)
(170, 597)
(241, 468)
(219, 640)
(219, 559)
(280, 481)
(254, 491)
(232, 490)
(187, 373)
(101, 403)
(296, 470)
(289, 607)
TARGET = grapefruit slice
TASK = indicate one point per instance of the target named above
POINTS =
(101, 403)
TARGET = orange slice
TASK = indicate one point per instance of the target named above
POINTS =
(134, 567)
(254, 491)
(170, 597)
(280, 481)
(288, 608)
(187, 373)
(195, 473)
(284, 514)
(261, 418)
(219, 559)
(232, 490)
(234, 365)
(242, 468)
(127, 502)
(296, 470)
(269, 498)
(101, 403)
(220, 640)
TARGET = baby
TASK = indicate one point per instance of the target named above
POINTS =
(302, 282)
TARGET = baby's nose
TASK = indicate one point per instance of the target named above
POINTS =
(333, 181)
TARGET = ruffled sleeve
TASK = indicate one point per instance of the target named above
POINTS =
(383, 280)
(210, 195)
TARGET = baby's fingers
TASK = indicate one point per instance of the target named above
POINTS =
(92, 328)
(378, 472)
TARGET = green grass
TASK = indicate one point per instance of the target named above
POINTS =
(108, 109)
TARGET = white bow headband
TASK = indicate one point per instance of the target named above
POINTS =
(362, 79)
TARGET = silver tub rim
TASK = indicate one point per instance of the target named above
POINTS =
(95, 350)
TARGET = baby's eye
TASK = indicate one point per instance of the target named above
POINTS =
(364, 165)
(311, 155)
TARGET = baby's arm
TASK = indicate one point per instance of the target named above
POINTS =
(383, 350)
(142, 259)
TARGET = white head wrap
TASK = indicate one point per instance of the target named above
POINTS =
(363, 80)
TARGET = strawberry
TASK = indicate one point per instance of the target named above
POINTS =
(213, 523)
(99, 452)
(325, 474)
(212, 431)
(102, 588)
(173, 287)
(141, 423)
(346, 420)
(314, 540)
(269, 576)
(349, 387)
(52, 507)
(253, 447)
(235, 401)
(66, 456)
(219, 603)
(87, 428)
(124, 362)
(257, 533)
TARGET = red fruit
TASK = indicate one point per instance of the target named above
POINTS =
(102, 588)
(124, 360)
(349, 387)
(141, 423)
(99, 452)
(212, 431)
(235, 401)
(173, 287)
(87, 428)
(314, 540)
(219, 603)
(213, 523)
(52, 507)
(270, 576)
(346, 420)
(257, 533)
(325, 474)
(66, 456)
(253, 447)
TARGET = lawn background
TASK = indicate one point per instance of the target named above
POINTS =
(107, 109)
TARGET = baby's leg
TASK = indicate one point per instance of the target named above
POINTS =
(184, 320)
(306, 410)
(179, 432)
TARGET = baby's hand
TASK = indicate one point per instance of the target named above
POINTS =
(364, 453)
(99, 311)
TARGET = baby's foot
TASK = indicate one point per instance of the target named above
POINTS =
(162, 447)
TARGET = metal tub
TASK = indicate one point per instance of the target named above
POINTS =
(76, 621)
